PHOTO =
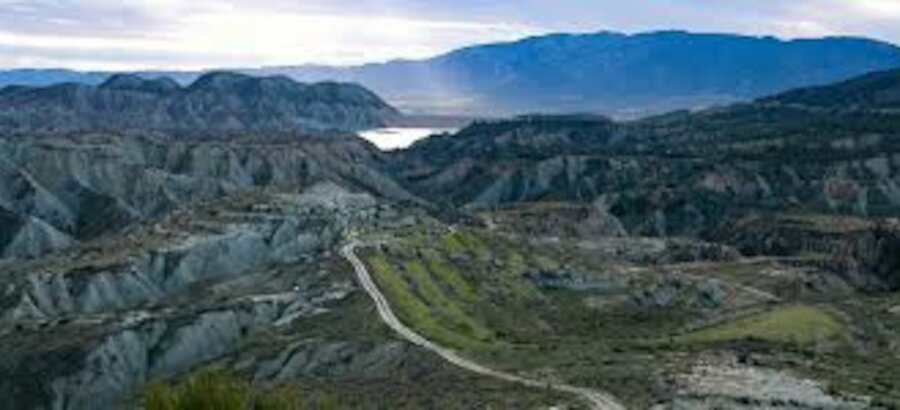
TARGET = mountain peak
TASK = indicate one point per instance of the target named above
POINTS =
(219, 80)
(137, 83)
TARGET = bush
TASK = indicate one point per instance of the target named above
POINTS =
(217, 390)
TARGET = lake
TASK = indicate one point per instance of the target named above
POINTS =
(396, 138)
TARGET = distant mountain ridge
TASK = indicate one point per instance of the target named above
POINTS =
(611, 73)
(618, 74)
(878, 91)
(215, 102)
(45, 77)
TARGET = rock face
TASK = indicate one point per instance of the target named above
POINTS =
(56, 190)
(525, 159)
(677, 175)
(863, 251)
(219, 102)
(166, 297)
(722, 383)
(555, 220)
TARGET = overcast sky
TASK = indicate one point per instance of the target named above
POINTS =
(191, 34)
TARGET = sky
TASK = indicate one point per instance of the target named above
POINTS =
(197, 34)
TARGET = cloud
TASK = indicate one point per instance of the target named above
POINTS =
(168, 34)
(189, 34)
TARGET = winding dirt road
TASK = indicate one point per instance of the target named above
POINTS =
(597, 399)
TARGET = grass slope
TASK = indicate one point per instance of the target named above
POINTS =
(790, 324)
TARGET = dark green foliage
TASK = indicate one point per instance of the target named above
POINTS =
(218, 390)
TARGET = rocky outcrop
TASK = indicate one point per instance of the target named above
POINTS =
(163, 298)
(57, 190)
(29, 237)
(160, 266)
(863, 251)
(657, 250)
(679, 291)
(309, 358)
(682, 174)
(714, 384)
(555, 220)
(219, 102)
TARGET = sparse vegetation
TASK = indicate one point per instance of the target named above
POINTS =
(217, 390)
(460, 287)
(790, 324)
(471, 277)
(412, 302)
(444, 282)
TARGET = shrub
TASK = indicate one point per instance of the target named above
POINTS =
(217, 390)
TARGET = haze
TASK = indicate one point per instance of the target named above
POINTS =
(171, 34)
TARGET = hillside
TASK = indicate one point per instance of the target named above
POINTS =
(680, 174)
(748, 148)
(215, 102)
(876, 91)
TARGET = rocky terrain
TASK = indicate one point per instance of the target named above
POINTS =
(754, 157)
(250, 281)
(739, 257)
(715, 175)
(57, 190)
(162, 298)
(219, 102)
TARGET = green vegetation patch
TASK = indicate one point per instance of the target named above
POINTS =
(452, 242)
(447, 273)
(440, 304)
(422, 306)
(466, 241)
(464, 288)
(218, 390)
(791, 324)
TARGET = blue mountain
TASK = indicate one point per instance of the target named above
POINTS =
(606, 72)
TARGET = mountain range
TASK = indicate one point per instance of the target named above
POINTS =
(219, 102)
(163, 243)
(611, 73)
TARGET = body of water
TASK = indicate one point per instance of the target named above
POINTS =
(397, 138)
